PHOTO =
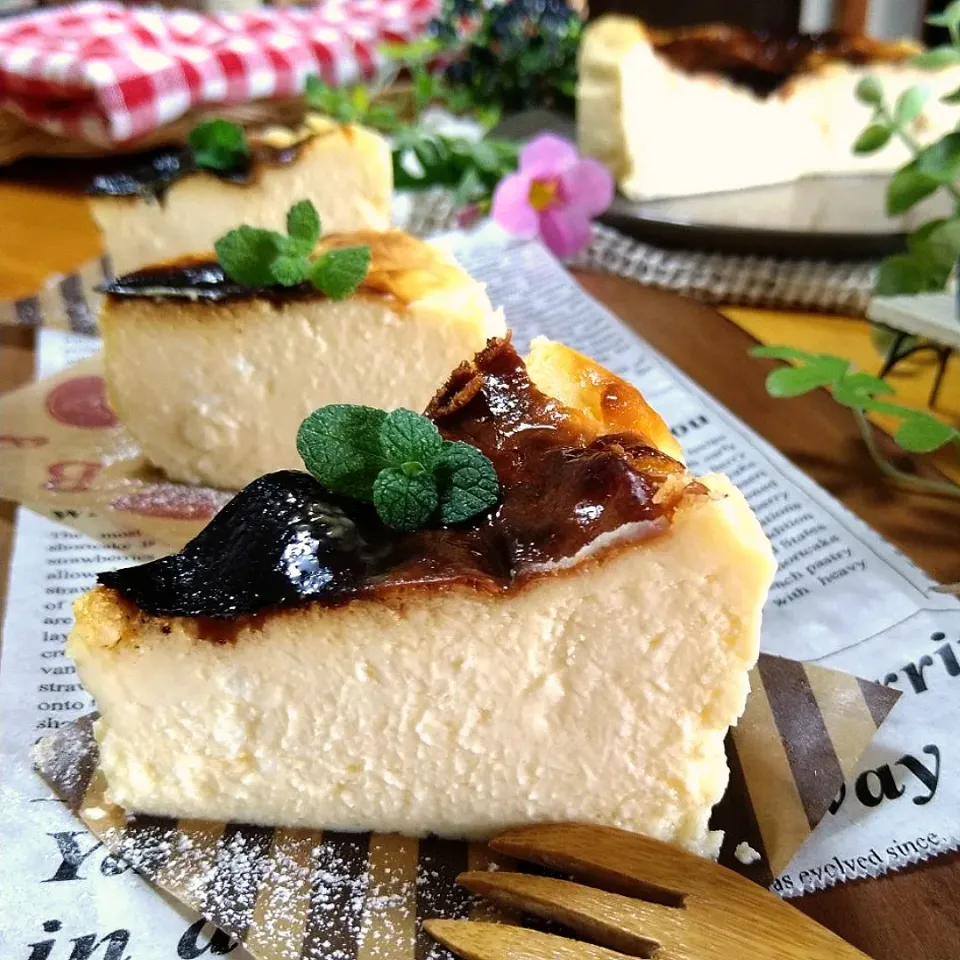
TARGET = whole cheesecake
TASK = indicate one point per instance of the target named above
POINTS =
(716, 108)
(575, 653)
(162, 206)
(213, 379)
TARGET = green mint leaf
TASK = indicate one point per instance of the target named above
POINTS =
(337, 273)
(340, 445)
(937, 58)
(407, 436)
(405, 502)
(247, 254)
(467, 481)
(288, 271)
(953, 97)
(869, 91)
(218, 145)
(907, 187)
(303, 224)
(922, 433)
(874, 138)
(910, 105)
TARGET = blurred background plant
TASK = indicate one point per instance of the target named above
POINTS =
(933, 248)
(863, 393)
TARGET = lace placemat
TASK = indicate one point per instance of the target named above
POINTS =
(830, 286)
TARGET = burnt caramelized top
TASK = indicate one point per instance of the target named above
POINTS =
(765, 62)
(150, 174)
(284, 541)
(401, 267)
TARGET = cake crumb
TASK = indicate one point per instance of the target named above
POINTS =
(746, 854)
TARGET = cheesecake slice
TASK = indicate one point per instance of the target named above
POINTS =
(717, 108)
(212, 379)
(160, 207)
(575, 653)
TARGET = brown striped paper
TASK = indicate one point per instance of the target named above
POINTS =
(306, 895)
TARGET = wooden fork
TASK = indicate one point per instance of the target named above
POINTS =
(645, 899)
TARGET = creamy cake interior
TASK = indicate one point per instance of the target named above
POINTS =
(577, 653)
(157, 214)
(213, 379)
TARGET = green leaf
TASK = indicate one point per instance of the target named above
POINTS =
(406, 435)
(319, 95)
(937, 58)
(359, 99)
(288, 271)
(467, 480)
(857, 389)
(921, 433)
(941, 160)
(952, 98)
(340, 445)
(943, 242)
(775, 352)
(873, 138)
(412, 52)
(795, 381)
(381, 116)
(869, 91)
(910, 105)
(423, 88)
(303, 224)
(901, 273)
(337, 273)
(405, 502)
(218, 145)
(949, 18)
(470, 186)
(907, 187)
(247, 254)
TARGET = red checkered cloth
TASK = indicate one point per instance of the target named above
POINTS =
(106, 73)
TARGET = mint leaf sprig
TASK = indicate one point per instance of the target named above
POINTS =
(350, 105)
(471, 168)
(398, 462)
(255, 257)
(861, 392)
(219, 145)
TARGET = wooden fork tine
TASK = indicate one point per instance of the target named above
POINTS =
(494, 941)
(620, 923)
(724, 914)
(612, 859)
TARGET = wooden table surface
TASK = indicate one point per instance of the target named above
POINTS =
(910, 915)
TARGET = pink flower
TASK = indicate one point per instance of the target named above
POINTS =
(554, 194)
